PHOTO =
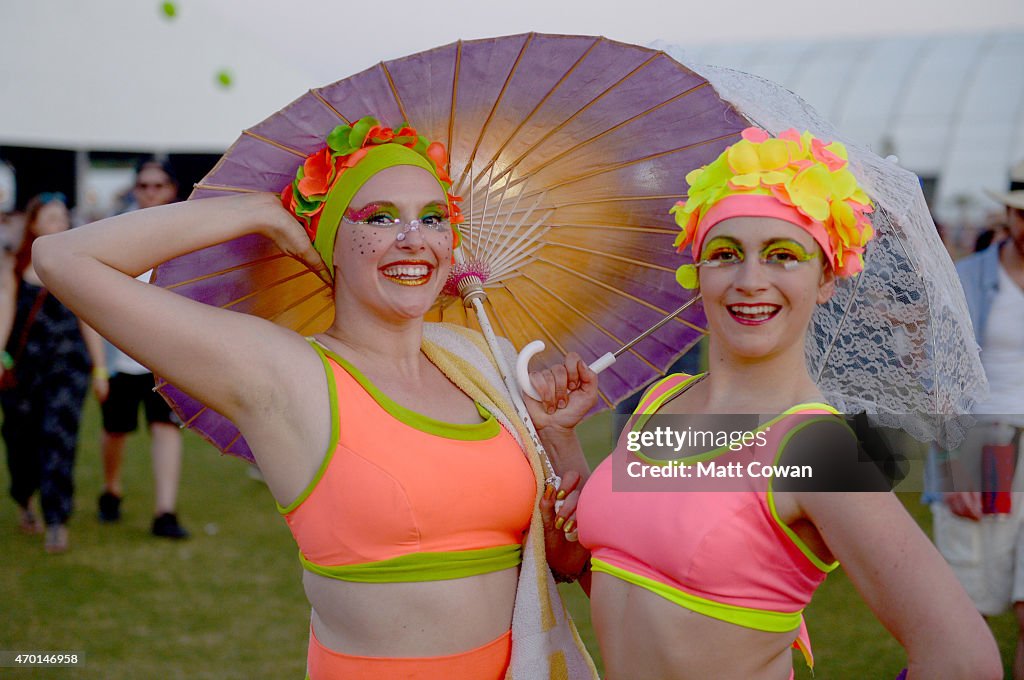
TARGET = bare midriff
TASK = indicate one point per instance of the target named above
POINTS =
(643, 635)
(431, 618)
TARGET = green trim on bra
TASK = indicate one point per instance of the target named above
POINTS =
(797, 541)
(332, 399)
(423, 566)
(488, 429)
(757, 619)
(652, 408)
(715, 452)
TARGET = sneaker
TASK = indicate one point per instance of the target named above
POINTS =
(109, 507)
(56, 539)
(166, 526)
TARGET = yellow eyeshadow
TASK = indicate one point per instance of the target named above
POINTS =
(719, 244)
(789, 247)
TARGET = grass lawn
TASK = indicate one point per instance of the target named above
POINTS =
(228, 603)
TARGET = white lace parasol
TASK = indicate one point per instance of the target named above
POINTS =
(896, 341)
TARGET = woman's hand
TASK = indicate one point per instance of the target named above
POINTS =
(288, 234)
(568, 391)
(566, 557)
(100, 386)
(966, 504)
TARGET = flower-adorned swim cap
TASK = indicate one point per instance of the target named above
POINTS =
(328, 179)
(794, 177)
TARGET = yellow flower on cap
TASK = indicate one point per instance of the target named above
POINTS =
(811, 185)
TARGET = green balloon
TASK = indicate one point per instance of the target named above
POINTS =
(224, 78)
(170, 10)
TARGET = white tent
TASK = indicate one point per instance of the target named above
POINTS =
(122, 75)
(951, 107)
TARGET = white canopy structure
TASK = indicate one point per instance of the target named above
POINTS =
(113, 75)
(951, 108)
(118, 75)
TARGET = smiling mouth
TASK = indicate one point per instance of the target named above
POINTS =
(408, 273)
(753, 315)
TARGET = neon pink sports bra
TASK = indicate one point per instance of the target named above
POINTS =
(403, 497)
(724, 554)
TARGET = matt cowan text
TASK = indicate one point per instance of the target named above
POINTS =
(711, 469)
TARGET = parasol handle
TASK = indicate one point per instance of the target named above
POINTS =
(602, 362)
(536, 347)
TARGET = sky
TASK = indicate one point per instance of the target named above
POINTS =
(339, 38)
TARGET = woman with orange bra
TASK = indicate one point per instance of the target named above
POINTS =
(388, 443)
(697, 574)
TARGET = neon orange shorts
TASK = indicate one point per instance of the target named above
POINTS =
(488, 662)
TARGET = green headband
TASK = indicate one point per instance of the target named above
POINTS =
(377, 158)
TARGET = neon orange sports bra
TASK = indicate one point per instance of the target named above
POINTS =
(403, 497)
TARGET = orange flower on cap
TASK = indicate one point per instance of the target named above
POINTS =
(317, 173)
(305, 196)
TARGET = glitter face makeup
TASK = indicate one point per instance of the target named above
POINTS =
(383, 215)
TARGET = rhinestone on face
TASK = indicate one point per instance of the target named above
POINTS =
(412, 226)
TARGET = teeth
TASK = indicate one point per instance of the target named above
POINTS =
(407, 271)
(753, 310)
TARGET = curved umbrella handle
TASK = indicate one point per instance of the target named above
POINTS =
(523, 368)
(603, 362)
(536, 347)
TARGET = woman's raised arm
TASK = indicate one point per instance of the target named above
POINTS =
(233, 362)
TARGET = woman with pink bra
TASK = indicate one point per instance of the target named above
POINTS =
(700, 562)
(388, 443)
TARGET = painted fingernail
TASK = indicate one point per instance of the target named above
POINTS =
(569, 526)
(561, 403)
(550, 410)
(559, 522)
(573, 385)
(548, 490)
(561, 495)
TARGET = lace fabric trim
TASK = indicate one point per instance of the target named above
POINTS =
(895, 342)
